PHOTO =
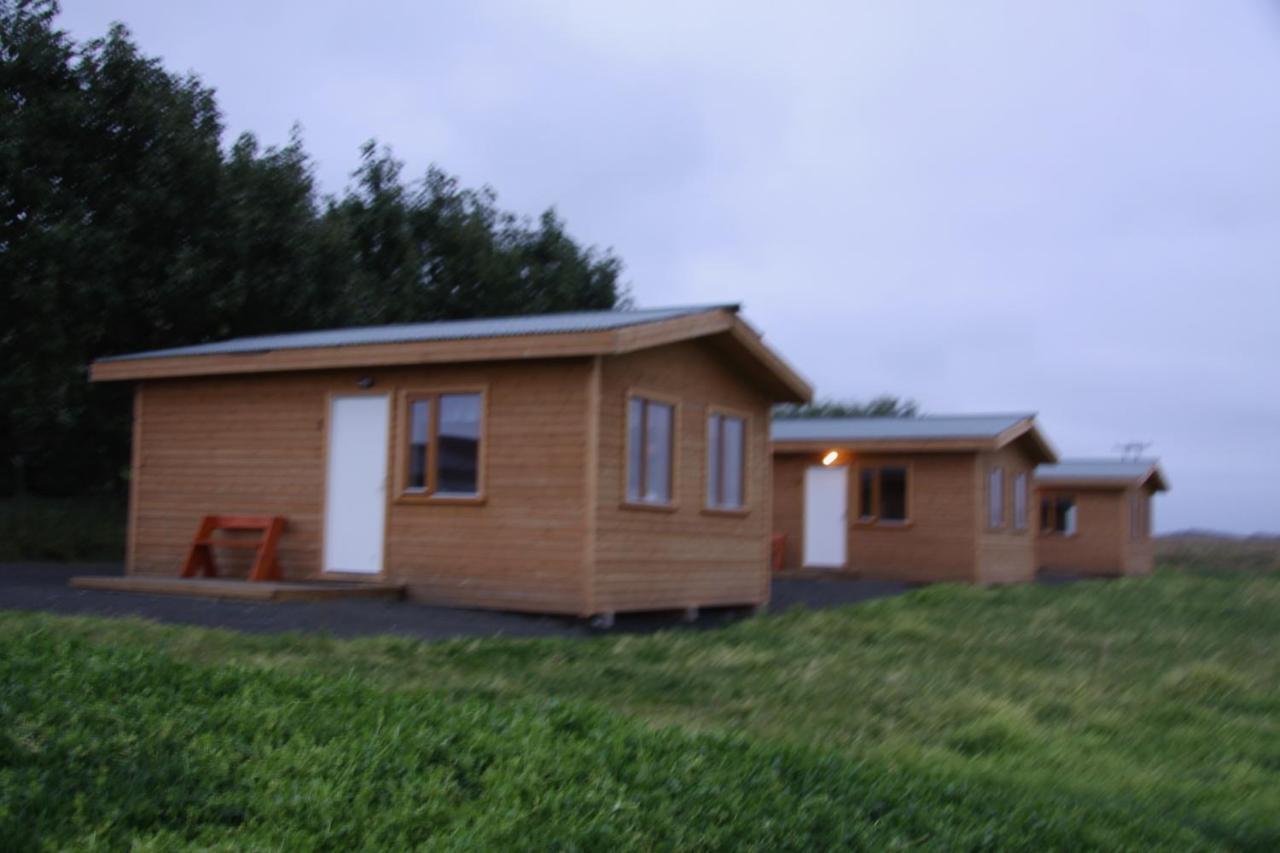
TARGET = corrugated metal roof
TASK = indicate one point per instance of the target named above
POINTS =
(1097, 469)
(448, 330)
(888, 429)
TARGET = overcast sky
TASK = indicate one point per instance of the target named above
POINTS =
(1064, 207)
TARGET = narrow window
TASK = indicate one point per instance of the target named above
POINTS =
(893, 494)
(867, 494)
(443, 445)
(1139, 517)
(1020, 501)
(726, 460)
(419, 438)
(650, 427)
(995, 498)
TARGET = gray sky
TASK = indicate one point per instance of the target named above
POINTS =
(1066, 207)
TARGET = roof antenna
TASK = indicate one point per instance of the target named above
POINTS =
(1131, 451)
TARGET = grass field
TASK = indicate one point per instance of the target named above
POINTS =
(1134, 713)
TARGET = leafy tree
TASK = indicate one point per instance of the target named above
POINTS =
(884, 406)
(125, 225)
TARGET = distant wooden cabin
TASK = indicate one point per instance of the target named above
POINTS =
(1096, 516)
(580, 463)
(919, 499)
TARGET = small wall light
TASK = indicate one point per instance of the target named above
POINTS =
(364, 382)
(830, 458)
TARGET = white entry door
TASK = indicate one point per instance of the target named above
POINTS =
(356, 484)
(826, 496)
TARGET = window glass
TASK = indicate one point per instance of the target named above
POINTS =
(995, 498)
(731, 494)
(866, 493)
(893, 494)
(458, 445)
(635, 447)
(419, 435)
(1067, 515)
(713, 460)
(657, 481)
(1020, 501)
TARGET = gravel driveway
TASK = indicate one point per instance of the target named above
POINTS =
(43, 586)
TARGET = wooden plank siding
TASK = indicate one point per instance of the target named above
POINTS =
(255, 444)
(1103, 543)
(1006, 554)
(686, 557)
(936, 544)
(945, 537)
(549, 535)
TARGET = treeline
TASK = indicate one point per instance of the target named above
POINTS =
(126, 224)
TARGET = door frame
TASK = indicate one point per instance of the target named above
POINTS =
(381, 574)
(804, 528)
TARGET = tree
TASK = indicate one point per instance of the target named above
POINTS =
(126, 225)
(884, 406)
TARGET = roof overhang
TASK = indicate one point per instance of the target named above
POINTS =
(1028, 434)
(1024, 431)
(1153, 479)
(721, 326)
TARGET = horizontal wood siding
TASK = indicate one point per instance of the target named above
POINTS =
(937, 543)
(255, 445)
(1101, 544)
(649, 559)
(1140, 550)
(1007, 555)
(788, 503)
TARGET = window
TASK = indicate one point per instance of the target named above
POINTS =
(1020, 501)
(995, 498)
(443, 447)
(1058, 514)
(726, 461)
(1139, 517)
(882, 494)
(867, 478)
(650, 428)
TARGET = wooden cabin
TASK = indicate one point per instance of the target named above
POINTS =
(1096, 516)
(921, 499)
(580, 463)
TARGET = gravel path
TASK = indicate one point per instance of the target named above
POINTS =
(43, 586)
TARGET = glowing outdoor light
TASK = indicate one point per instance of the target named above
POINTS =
(830, 458)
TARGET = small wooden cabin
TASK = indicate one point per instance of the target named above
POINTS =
(1096, 516)
(921, 499)
(580, 463)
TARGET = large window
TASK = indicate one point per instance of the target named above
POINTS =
(1058, 514)
(443, 445)
(650, 454)
(995, 498)
(882, 494)
(1020, 501)
(726, 461)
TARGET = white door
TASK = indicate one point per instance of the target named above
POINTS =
(356, 484)
(826, 496)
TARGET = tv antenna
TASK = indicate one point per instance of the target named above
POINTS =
(1131, 451)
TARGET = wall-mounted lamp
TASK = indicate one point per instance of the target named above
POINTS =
(365, 382)
(831, 457)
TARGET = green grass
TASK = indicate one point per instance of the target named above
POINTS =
(1134, 713)
(62, 529)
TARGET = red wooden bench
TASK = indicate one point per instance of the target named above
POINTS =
(266, 567)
